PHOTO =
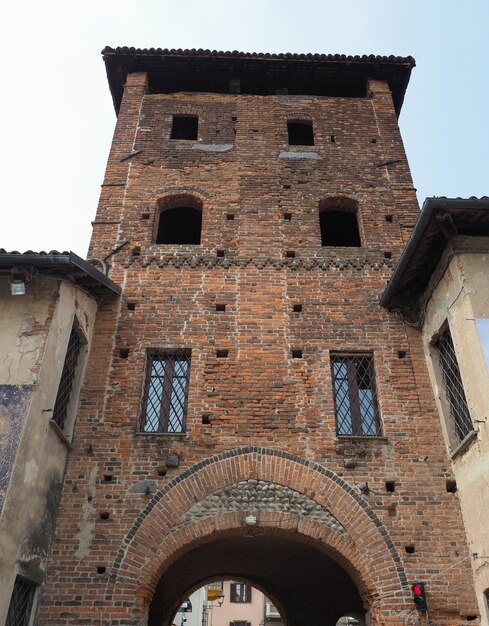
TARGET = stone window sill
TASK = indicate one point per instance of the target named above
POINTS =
(141, 434)
(62, 437)
(463, 445)
(379, 438)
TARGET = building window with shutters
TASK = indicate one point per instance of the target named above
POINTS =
(166, 392)
(240, 592)
(355, 396)
(21, 603)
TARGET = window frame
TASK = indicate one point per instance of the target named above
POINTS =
(164, 404)
(236, 597)
(359, 426)
(458, 432)
(64, 411)
(27, 618)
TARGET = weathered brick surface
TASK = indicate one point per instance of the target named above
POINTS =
(275, 412)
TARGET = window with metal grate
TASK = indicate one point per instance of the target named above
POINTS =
(166, 392)
(21, 602)
(355, 396)
(61, 406)
(454, 390)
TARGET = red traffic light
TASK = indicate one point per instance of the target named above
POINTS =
(419, 596)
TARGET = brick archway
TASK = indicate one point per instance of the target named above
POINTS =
(364, 549)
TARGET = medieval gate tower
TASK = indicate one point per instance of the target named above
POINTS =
(249, 409)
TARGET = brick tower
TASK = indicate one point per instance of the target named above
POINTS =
(249, 410)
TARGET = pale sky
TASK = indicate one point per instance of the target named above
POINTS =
(58, 116)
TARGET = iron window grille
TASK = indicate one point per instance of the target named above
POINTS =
(166, 392)
(355, 396)
(240, 592)
(454, 390)
(21, 603)
(61, 406)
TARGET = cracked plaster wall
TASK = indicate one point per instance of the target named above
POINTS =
(34, 338)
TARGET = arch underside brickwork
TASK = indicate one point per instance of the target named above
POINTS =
(292, 499)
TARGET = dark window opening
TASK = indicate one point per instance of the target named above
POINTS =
(390, 486)
(185, 127)
(179, 225)
(454, 390)
(300, 133)
(240, 592)
(355, 396)
(166, 393)
(61, 406)
(21, 602)
(339, 228)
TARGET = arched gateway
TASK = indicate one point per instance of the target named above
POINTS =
(316, 547)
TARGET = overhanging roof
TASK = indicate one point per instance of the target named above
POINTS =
(172, 71)
(440, 220)
(62, 265)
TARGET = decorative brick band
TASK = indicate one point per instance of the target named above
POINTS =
(207, 261)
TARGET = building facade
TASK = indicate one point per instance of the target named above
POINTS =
(441, 286)
(250, 410)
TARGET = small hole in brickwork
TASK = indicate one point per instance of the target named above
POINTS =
(161, 471)
(104, 515)
(374, 140)
(220, 253)
(234, 118)
(287, 217)
(206, 418)
(402, 354)
(220, 307)
(472, 618)
(410, 549)
(136, 251)
(388, 254)
(124, 353)
(131, 306)
(390, 486)
(296, 354)
(297, 308)
(145, 216)
(100, 569)
(451, 485)
(109, 478)
(333, 139)
(286, 186)
(290, 254)
(230, 216)
(389, 218)
(222, 354)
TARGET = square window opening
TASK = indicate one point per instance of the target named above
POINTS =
(185, 127)
(355, 396)
(300, 133)
(166, 392)
(240, 592)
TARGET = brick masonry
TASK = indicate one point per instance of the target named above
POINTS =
(270, 416)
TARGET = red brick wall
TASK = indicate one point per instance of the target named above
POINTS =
(258, 395)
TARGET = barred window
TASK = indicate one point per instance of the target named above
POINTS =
(452, 382)
(240, 592)
(355, 396)
(61, 406)
(166, 392)
(21, 602)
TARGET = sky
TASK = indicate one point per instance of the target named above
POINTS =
(58, 118)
